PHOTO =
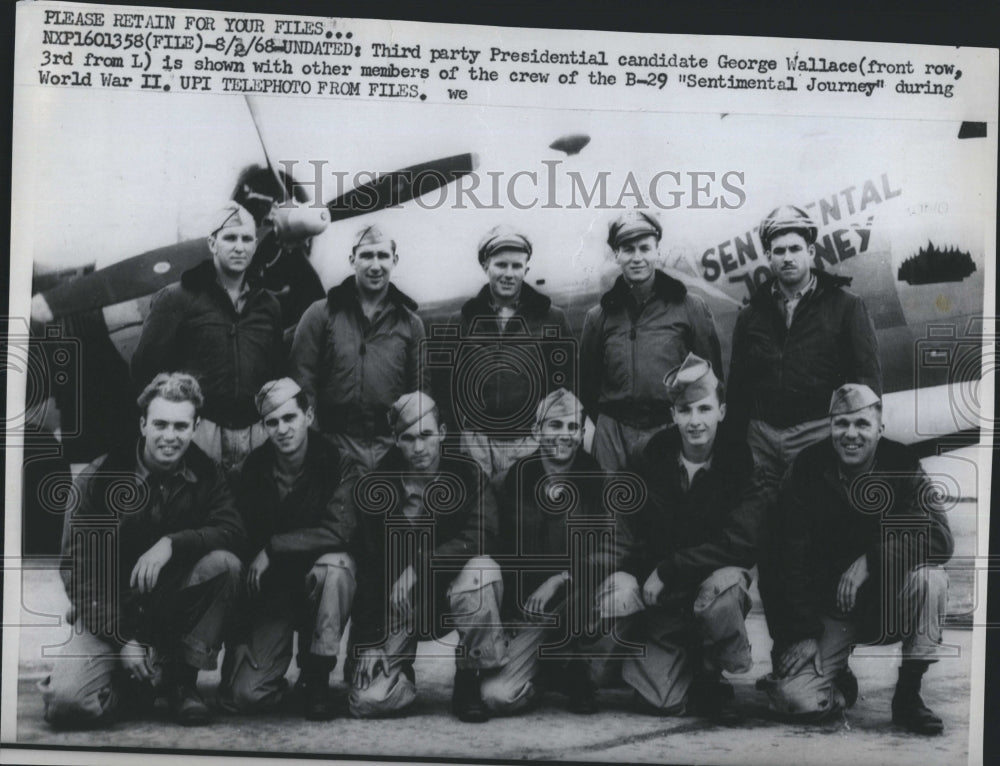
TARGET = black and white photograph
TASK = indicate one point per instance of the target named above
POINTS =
(429, 392)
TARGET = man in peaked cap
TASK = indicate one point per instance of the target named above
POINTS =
(643, 327)
(420, 526)
(856, 573)
(547, 498)
(511, 347)
(223, 327)
(356, 351)
(300, 578)
(682, 579)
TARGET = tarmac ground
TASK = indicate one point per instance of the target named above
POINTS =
(863, 734)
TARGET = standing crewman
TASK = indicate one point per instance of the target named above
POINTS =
(300, 578)
(161, 515)
(357, 350)
(801, 336)
(644, 326)
(513, 348)
(223, 328)
(681, 589)
(862, 540)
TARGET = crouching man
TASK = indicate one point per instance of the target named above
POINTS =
(547, 498)
(424, 520)
(862, 542)
(681, 588)
(300, 577)
(159, 513)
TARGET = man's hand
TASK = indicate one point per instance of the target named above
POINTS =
(257, 568)
(797, 656)
(399, 593)
(370, 663)
(147, 569)
(652, 589)
(850, 581)
(136, 661)
(543, 594)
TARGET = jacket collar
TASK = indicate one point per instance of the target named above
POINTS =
(824, 281)
(346, 294)
(530, 304)
(202, 278)
(665, 287)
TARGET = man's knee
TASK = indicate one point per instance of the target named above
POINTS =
(332, 569)
(927, 583)
(724, 590)
(253, 692)
(70, 702)
(384, 696)
(502, 695)
(478, 573)
(218, 563)
(805, 697)
(618, 596)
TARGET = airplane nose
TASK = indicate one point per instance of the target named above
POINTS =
(300, 222)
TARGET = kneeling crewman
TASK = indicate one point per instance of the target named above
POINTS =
(421, 524)
(300, 577)
(862, 541)
(681, 589)
(154, 571)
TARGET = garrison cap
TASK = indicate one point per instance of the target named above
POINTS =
(275, 393)
(408, 409)
(502, 237)
(693, 380)
(632, 224)
(371, 235)
(230, 214)
(559, 404)
(786, 218)
(852, 397)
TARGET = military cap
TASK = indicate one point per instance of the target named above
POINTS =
(371, 235)
(786, 218)
(408, 409)
(499, 238)
(632, 224)
(852, 397)
(559, 404)
(229, 214)
(694, 379)
(275, 393)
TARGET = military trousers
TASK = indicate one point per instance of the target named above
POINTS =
(87, 678)
(318, 608)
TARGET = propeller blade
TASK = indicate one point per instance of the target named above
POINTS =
(255, 116)
(401, 186)
(132, 278)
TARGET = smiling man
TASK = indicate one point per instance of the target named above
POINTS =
(223, 327)
(300, 578)
(161, 514)
(546, 499)
(356, 351)
(643, 327)
(862, 540)
(682, 583)
(514, 347)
